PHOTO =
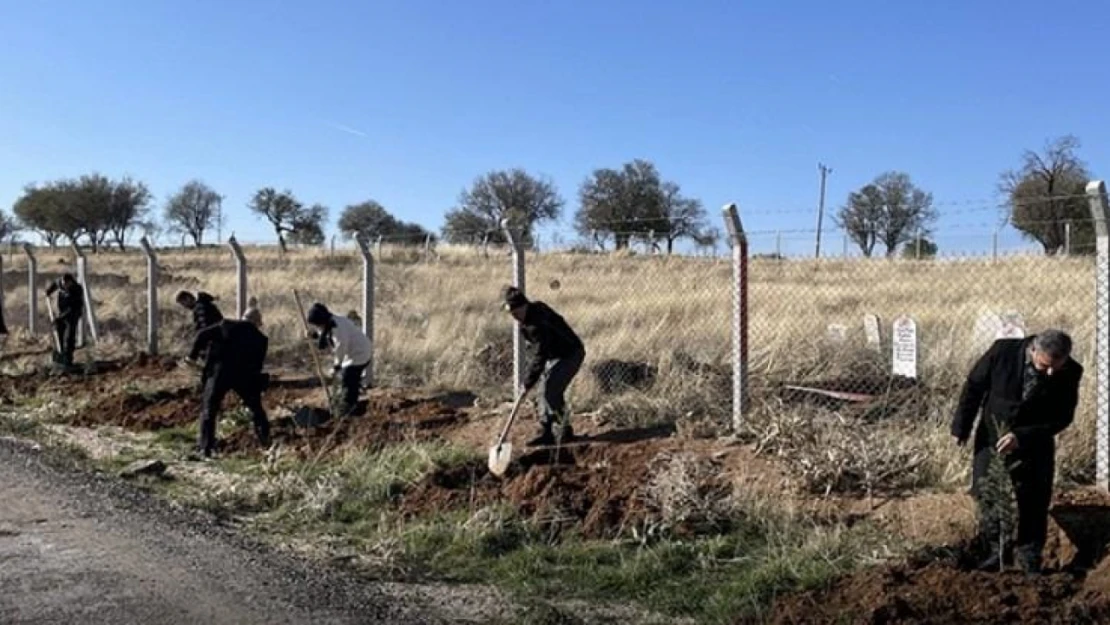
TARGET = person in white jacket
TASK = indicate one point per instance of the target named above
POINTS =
(351, 348)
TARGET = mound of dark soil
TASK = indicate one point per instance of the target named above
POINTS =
(387, 420)
(594, 488)
(946, 590)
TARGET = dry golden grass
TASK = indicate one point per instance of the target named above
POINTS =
(434, 317)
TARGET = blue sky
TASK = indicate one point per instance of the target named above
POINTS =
(407, 102)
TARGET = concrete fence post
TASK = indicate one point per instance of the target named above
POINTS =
(1067, 238)
(378, 247)
(90, 314)
(152, 314)
(32, 288)
(240, 277)
(994, 245)
(367, 303)
(3, 327)
(518, 282)
(739, 314)
(427, 247)
(1100, 211)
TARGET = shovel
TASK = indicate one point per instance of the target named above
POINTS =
(502, 453)
(315, 357)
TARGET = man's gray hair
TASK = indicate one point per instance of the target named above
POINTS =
(1055, 343)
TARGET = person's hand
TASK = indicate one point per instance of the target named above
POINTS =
(312, 334)
(191, 362)
(1007, 443)
(960, 442)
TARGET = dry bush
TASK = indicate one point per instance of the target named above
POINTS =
(686, 494)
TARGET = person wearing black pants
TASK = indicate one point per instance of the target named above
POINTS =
(559, 355)
(71, 309)
(236, 352)
(1025, 392)
(352, 352)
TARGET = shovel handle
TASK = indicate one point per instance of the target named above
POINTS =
(315, 356)
(509, 421)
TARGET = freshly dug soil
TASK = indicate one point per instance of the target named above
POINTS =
(593, 488)
(943, 589)
(388, 420)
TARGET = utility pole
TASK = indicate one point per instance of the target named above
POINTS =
(825, 171)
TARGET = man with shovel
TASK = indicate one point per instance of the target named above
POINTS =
(351, 347)
(1025, 392)
(558, 357)
(71, 309)
(236, 352)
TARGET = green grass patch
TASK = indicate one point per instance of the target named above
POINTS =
(713, 580)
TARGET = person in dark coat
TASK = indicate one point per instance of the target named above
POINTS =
(236, 353)
(71, 309)
(203, 306)
(1024, 392)
(205, 314)
(558, 357)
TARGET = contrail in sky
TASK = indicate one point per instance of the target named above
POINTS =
(346, 129)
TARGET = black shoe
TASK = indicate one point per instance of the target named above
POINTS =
(546, 437)
(264, 439)
(567, 434)
(1029, 560)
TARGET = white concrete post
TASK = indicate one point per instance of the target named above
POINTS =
(89, 319)
(1100, 211)
(32, 288)
(367, 303)
(2, 325)
(1067, 238)
(427, 246)
(518, 282)
(739, 314)
(994, 245)
(152, 315)
(240, 277)
(378, 247)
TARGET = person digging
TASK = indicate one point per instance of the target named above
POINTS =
(559, 353)
(351, 348)
(205, 314)
(235, 354)
(71, 309)
(1025, 392)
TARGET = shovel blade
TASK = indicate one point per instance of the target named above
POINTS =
(499, 458)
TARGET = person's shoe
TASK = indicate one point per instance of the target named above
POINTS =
(546, 437)
(567, 434)
(1029, 560)
(264, 439)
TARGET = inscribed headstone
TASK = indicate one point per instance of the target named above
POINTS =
(837, 332)
(904, 341)
(1013, 326)
(872, 331)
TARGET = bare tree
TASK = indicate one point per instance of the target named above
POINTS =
(524, 200)
(890, 210)
(193, 210)
(1047, 193)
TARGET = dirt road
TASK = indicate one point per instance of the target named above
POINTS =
(77, 548)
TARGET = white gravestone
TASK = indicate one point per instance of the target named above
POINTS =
(986, 330)
(904, 341)
(872, 332)
(1013, 326)
(837, 332)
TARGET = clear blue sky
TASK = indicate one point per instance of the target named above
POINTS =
(406, 102)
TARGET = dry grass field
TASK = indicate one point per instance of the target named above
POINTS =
(406, 491)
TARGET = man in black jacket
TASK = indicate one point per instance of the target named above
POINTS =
(559, 355)
(203, 306)
(71, 309)
(1025, 392)
(236, 353)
